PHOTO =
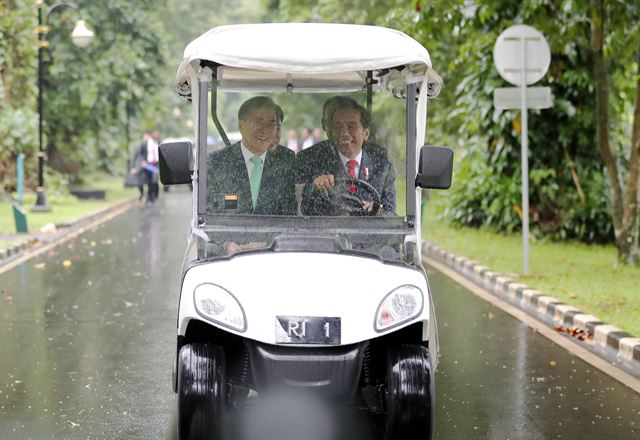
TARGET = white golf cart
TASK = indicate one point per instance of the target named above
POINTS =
(334, 305)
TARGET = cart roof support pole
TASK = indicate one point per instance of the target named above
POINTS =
(411, 153)
(214, 108)
(204, 80)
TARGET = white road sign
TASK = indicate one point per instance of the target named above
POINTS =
(509, 98)
(522, 57)
(508, 53)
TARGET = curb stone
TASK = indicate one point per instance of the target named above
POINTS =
(39, 240)
(14, 250)
(607, 341)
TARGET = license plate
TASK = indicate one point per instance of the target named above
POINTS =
(307, 330)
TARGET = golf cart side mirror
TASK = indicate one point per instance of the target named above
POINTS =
(176, 162)
(435, 167)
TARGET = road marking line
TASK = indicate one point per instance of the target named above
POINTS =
(623, 377)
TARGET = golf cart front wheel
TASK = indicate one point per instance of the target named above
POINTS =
(201, 392)
(410, 393)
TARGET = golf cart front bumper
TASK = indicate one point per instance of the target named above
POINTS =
(328, 371)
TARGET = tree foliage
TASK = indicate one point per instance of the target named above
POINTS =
(98, 100)
(624, 191)
(92, 95)
(570, 190)
(18, 51)
(564, 201)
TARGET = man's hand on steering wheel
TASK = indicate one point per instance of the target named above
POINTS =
(368, 207)
(326, 182)
(344, 199)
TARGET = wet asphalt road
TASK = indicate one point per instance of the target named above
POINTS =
(87, 335)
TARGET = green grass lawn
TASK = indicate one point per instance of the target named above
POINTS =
(65, 208)
(588, 277)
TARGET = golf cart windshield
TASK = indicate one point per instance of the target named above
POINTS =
(323, 178)
(326, 156)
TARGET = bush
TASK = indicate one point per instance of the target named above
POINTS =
(18, 134)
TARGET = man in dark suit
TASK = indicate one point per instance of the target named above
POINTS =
(255, 173)
(343, 156)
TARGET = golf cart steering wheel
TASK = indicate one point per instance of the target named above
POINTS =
(340, 197)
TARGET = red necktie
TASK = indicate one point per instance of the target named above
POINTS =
(351, 169)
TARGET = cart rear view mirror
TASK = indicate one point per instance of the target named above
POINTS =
(176, 162)
(435, 167)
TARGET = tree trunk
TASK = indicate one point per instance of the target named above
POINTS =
(631, 218)
(624, 209)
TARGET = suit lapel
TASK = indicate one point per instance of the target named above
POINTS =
(334, 164)
(239, 178)
(365, 162)
(270, 164)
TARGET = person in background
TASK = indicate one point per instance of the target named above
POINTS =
(278, 136)
(136, 164)
(148, 151)
(307, 139)
(317, 135)
(292, 140)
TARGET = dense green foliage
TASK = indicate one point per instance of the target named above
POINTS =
(570, 196)
(93, 97)
(98, 100)
(18, 117)
(104, 88)
(568, 192)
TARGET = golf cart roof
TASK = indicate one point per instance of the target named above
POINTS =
(305, 57)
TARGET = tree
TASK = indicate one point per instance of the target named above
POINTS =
(624, 212)
(578, 190)
(18, 122)
(91, 94)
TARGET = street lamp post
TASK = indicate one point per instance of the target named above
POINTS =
(81, 37)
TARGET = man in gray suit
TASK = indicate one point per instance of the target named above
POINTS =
(256, 176)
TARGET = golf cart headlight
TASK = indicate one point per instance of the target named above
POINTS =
(401, 305)
(219, 305)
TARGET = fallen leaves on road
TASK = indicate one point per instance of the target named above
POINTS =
(580, 333)
(66, 263)
(39, 265)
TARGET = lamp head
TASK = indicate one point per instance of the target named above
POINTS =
(81, 35)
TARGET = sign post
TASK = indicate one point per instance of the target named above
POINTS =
(522, 57)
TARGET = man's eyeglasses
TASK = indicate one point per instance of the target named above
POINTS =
(263, 123)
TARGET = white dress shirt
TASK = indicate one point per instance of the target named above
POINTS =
(247, 158)
(152, 151)
(345, 159)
